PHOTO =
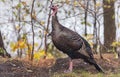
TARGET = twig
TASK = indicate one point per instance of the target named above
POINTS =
(32, 53)
(46, 30)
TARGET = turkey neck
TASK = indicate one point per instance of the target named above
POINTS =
(56, 26)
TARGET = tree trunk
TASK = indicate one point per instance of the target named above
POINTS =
(109, 23)
(3, 51)
(95, 29)
(86, 14)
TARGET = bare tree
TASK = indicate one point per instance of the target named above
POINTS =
(32, 53)
(3, 51)
(46, 31)
(109, 23)
(86, 15)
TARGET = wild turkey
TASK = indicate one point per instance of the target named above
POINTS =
(70, 42)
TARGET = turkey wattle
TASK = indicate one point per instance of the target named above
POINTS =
(71, 43)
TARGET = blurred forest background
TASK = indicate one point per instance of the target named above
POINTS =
(26, 24)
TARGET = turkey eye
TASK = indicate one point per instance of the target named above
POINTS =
(52, 6)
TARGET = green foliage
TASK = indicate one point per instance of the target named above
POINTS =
(2, 0)
(88, 24)
(18, 5)
(85, 74)
(2, 50)
(113, 17)
(65, 75)
(108, 1)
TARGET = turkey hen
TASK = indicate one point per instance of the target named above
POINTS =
(71, 43)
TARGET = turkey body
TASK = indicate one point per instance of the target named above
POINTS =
(68, 41)
(71, 43)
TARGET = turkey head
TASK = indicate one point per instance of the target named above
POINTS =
(54, 9)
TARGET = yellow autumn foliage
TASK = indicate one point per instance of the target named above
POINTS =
(67, 1)
(114, 44)
(21, 44)
(42, 23)
(34, 16)
(98, 4)
(41, 53)
(24, 3)
(17, 27)
(75, 3)
(13, 46)
(89, 37)
(29, 48)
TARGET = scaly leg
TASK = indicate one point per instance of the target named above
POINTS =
(70, 67)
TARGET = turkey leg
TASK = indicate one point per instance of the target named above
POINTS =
(70, 67)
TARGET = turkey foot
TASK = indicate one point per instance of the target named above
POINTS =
(67, 71)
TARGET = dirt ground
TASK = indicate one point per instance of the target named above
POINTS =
(47, 67)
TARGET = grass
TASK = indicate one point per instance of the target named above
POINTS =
(85, 74)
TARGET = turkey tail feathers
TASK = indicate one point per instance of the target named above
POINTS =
(93, 62)
(99, 68)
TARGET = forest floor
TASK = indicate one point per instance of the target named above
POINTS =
(55, 68)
